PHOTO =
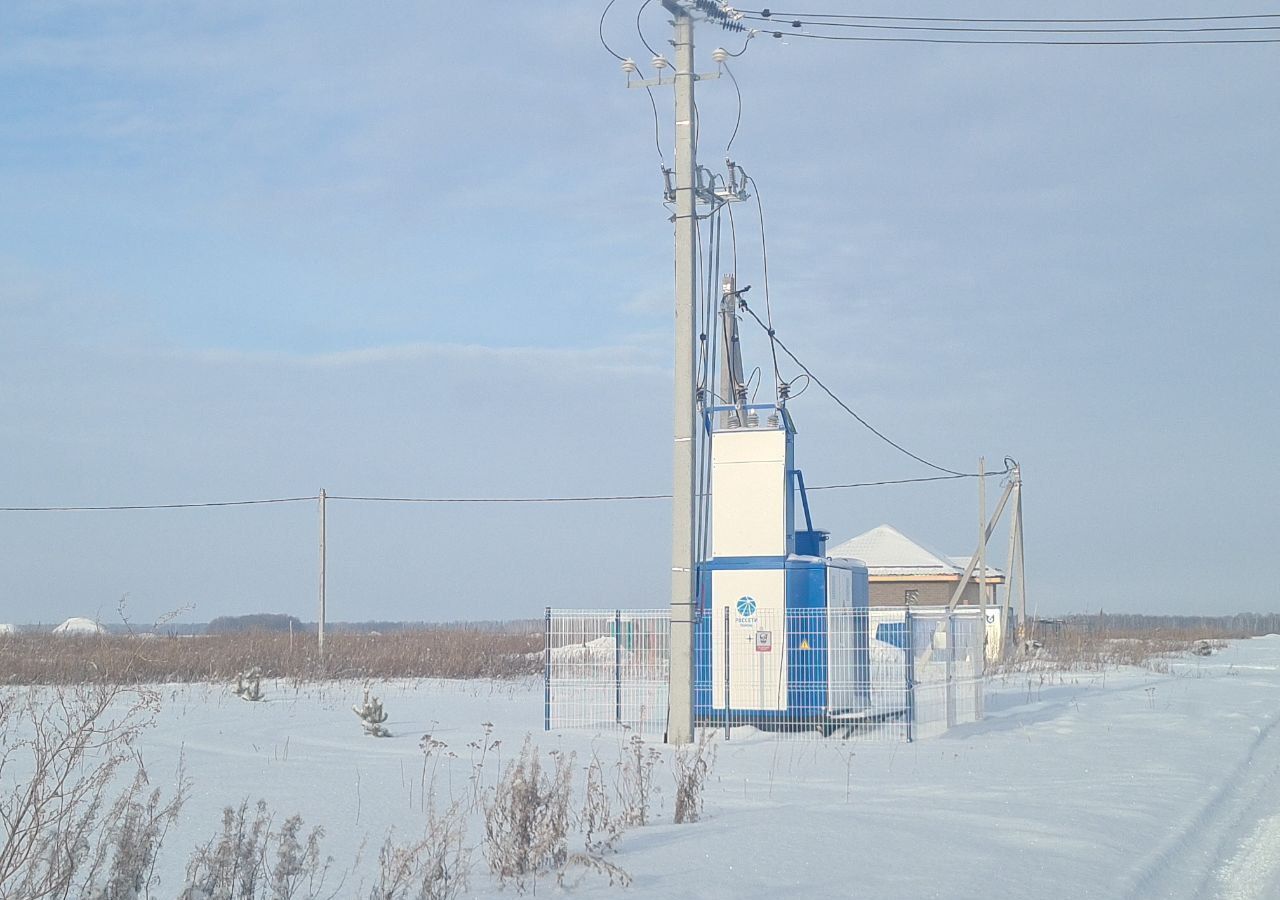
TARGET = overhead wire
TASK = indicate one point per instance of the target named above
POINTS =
(998, 41)
(845, 406)
(618, 56)
(770, 15)
(737, 121)
(743, 49)
(132, 506)
(640, 30)
(768, 306)
(1019, 29)
(579, 498)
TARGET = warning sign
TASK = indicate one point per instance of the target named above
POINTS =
(804, 644)
(764, 641)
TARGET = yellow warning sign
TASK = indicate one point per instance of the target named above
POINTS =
(804, 644)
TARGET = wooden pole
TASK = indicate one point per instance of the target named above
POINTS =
(323, 578)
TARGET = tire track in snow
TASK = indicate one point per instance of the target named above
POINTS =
(1237, 814)
(1254, 872)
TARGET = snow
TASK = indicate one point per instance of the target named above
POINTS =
(1126, 783)
(78, 625)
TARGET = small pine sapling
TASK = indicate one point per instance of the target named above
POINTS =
(372, 715)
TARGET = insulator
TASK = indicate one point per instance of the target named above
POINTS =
(753, 420)
(719, 54)
(734, 421)
(773, 420)
(660, 62)
(629, 66)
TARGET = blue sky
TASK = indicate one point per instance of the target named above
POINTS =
(253, 250)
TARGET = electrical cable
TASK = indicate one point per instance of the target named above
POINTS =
(594, 498)
(808, 382)
(987, 29)
(750, 34)
(640, 31)
(156, 505)
(617, 56)
(836, 487)
(601, 498)
(770, 15)
(1066, 43)
(768, 307)
(738, 121)
(657, 138)
(865, 424)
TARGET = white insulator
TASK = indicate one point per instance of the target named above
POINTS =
(660, 62)
(719, 54)
(629, 66)
(753, 420)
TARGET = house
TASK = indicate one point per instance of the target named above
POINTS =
(903, 571)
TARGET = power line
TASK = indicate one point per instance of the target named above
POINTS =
(1044, 43)
(585, 498)
(846, 407)
(768, 307)
(605, 43)
(986, 29)
(738, 121)
(640, 31)
(769, 14)
(862, 484)
(156, 505)
(598, 498)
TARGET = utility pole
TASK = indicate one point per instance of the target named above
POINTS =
(982, 552)
(1022, 575)
(684, 191)
(684, 458)
(320, 624)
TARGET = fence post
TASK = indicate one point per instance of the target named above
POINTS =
(726, 673)
(617, 665)
(951, 669)
(980, 669)
(546, 675)
(911, 676)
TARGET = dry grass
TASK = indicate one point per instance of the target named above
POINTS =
(123, 659)
(1091, 644)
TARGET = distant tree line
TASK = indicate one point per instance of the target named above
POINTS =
(1239, 625)
(253, 622)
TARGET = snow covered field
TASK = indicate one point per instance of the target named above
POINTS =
(1123, 784)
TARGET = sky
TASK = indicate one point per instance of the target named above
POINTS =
(255, 250)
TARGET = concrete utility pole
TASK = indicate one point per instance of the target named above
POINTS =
(982, 552)
(320, 624)
(684, 458)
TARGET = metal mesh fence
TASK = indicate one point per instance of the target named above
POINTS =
(607, 669)
(892, 674)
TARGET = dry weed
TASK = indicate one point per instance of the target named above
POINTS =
(131, 659)
(526, 825)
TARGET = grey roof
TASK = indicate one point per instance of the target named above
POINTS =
(887, 551)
